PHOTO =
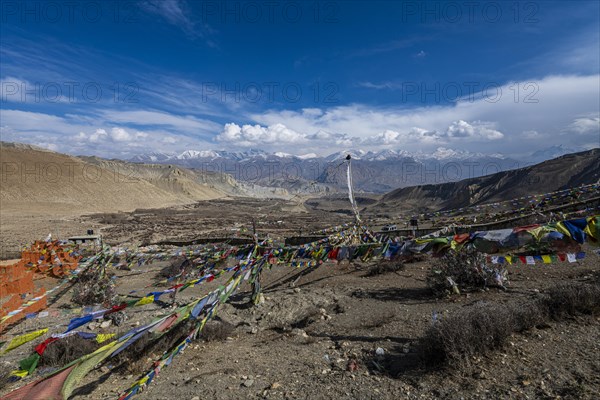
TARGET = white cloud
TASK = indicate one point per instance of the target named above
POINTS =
(322, 137)
(531, 134)
(390, 137)
(177, 13)
(280, 136)
(585, 125)
(99, 135)
(378, 86)
(169, 140)
(13, 90)
(547, 105)
(172, 11)
(76, 134)
(256, 135)
(17, 90)
(477, 129)
(564, 105)
(185, 123)
(120, 135)
(116, 134)
(50, 146)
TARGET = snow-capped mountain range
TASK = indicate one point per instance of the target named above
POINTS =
(374, 171)
(210, 155)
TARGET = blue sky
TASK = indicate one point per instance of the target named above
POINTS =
(121, 78)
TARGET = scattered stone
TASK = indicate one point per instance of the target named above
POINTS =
(106, 324)
(299, 332)
(275, 385)
(248, 382)
(352, 366)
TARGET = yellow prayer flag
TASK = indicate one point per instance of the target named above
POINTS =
(103, 337)
(560, 227)
(21, 340)
(592, 227)
(145, 300)
(547, 259)
(142, 381)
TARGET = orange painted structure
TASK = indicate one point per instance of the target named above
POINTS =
(17, 280)
(50, 258)
(16, 286)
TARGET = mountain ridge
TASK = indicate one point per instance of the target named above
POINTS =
(563, 172)
(40, 180)
(376, 172)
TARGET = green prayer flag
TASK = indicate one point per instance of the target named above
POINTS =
(30, 363)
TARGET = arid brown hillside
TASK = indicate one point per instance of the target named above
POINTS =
(562, 172)
(36, 179)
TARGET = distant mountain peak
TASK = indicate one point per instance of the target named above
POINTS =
(308, 156)
(552, 152)
(282, 154)
(439, 154)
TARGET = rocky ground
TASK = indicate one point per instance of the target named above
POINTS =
(320, 337)
(333, 331)
(221, 218)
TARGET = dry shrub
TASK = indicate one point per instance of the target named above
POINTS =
(95, 291)
(471, 331)
(176, 266)
(94, 286)
(485, 326)
(377, 321)
(217, 330)
(384, 267)
(412, 257)
(65, 350)
(528, 314)
(571, 299)
(117, 318)
(133, 360)
(306, 318)
(465, 269)
(113, 218)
